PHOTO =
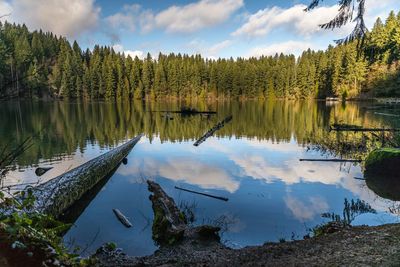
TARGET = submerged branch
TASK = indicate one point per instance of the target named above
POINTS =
(210, 132)
(203, 194)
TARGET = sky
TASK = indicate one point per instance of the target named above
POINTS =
(213, 28)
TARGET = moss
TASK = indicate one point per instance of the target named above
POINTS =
(382, 168)
(161, 229)
(182, 217)
(383, 161)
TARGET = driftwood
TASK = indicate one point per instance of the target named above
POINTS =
(333, 160)
(58, 194)
(349, 129)
(387, 114)
(203, 194)
(170, 225)
(122, 218)
(358, 178)
(210, 132)
(189, 111)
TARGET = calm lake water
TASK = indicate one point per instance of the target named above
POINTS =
(253, 161)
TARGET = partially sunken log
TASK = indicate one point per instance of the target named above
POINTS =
(170, 224)
(56, 195)
(355, 128)
(333, 160)
(187, 112)
(203, 194)
(211, 132)
(122, 218)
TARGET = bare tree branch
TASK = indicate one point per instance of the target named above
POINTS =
(6, 15)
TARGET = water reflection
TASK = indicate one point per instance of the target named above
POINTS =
(253, 161)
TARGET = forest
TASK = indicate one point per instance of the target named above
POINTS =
(63, 128)
(39, 64)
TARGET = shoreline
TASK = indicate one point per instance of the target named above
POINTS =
(354, 246)
(184, 245)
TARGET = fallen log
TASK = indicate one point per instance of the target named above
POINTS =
(211, 132)
(58, 194)
(365, 129)
(203, 194)
(387, 114)
(358, 178)
(333, 160)
(170, 224)
(122, 218)
(188, 111)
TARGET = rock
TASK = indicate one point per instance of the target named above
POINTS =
(40, 171)
(382, 168)
(385, 161)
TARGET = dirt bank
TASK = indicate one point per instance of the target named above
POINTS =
(351, 246)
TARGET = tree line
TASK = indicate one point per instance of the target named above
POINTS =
(62, 128)
(38, 64)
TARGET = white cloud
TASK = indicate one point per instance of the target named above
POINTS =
(195, 16)
(293, 18)
(184, 170)
(69, 18)
(132, 53)
(375, 9)
(183, 19)
(289, 47)
(203, 48)
(215, 49)
(125, 19)
(304, 212)
(5, 10)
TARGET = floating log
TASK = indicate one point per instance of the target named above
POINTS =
(388, 100)
(122, 218)
(333, 160)
(332, 99)
(203, 194)
(365, 129)
(189, 111)
(56, 195)
(358, 178)
(387, 114)
(40, 171)
(344, 126)
(212, 130)
(380, 107)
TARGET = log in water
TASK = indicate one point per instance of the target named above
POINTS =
(210, 132)
(333, 160)
(365, 129)
(122, 218)
(387, 114)
(56, 195)
(203, 194)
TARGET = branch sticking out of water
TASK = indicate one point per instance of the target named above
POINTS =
(333, 160)
(203, 194)
(212, 131)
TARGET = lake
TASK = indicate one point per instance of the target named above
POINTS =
(253, 161)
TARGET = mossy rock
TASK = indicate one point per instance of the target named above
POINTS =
(383, 161)
(382, 173)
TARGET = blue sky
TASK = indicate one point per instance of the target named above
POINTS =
(214, 28)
